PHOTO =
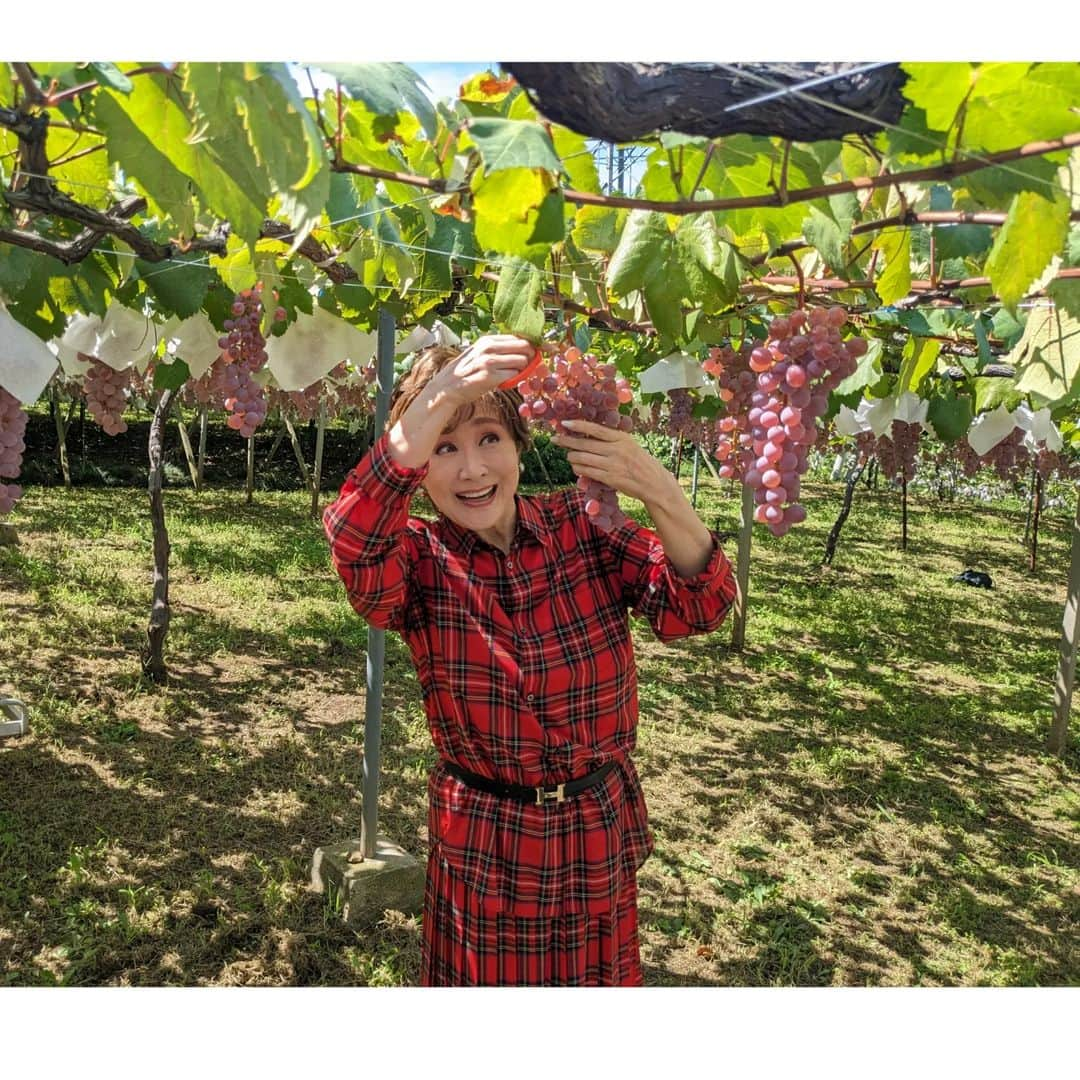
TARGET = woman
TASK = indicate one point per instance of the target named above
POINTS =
(514, 610)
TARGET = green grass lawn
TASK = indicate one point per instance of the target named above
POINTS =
(861, 797)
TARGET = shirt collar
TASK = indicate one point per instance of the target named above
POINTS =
(533, 519)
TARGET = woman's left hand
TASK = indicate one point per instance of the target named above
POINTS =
(617, 459)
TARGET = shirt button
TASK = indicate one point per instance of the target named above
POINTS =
(529, 697)
(509, 564)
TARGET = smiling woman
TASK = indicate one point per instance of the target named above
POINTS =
(514, 609)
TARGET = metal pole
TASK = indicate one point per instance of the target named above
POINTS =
(693, 479)
(376, 648)
(320, 440)
(1066, 673)
(742, 568)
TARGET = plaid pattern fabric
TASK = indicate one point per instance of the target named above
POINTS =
(526, 668)
(466, 945)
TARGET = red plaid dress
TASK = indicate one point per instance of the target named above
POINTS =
(526, 668)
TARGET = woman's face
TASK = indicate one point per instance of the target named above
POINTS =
(473, 475)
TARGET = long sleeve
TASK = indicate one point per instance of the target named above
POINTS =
(370, 543)
(674, 606)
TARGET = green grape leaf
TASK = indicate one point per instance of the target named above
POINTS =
(1066, 294)
(110, 75)
(894, 282)
(950, 415)
(513, 144)
(643, 251)
(992, 392)
(1049, 357)
(171, 376)
(135, 130)
(711, 265)
(235, 268)
(825, 234)
(596, 228)
(960, 241)
(1033, 233)
(1015, 103)
(179, 286)
(507, 207)
(518, 308)
(387, 89)
(550, 221)
(993, 186)
(938, 89)
(577, 159)
(919, 357)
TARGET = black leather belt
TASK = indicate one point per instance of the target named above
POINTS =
(522, 793)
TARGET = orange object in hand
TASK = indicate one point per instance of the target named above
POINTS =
(524, 373)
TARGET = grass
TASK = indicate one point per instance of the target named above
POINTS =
(860, 797)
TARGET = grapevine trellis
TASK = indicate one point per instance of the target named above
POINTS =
(217, 237)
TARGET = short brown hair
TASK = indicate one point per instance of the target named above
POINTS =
(503, 404)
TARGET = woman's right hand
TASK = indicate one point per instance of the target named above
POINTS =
(481, 368)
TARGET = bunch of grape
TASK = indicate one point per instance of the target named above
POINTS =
(794, 370)
(577, 386)
(1008, 456)
(896, 452)
(106, 394)
(734, 446)
(243, 352)
(12, 430)
(302, 405)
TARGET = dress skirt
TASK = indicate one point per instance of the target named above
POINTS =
(466, 945)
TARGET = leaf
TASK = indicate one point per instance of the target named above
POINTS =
(386, 89)
(992, 392)
(178, 286)
(513, 144)
(171, 376)
(110, 75)
(712, 266)
(507, 207)
(894, 282)
(1050, 363)
(1015, 103)
(920, 355)
(577, 159)
(550, 221)
(959, 241)
(938, 89)
(643, 249)
(235, 268)
(135, 131)
(518, 308)
(1033, 233)
(991, 187)
(950, 415)
(825, 234)
(596, 228)
(1066, 294)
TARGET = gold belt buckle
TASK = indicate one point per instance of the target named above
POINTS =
(558, 795)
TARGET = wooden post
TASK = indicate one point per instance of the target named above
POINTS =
(678, 457)
(274, 446)
(298, 452)
(1031, 503)
(189, 454)
(316, 484)
(1066, 673)
(203, 412)
(250, 485)
(742, 569)
(903, 512)
(153, 664)
(61, 437)
(1035, 518)
(693, 478)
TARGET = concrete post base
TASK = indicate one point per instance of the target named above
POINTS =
(391, 878)
(12, 717)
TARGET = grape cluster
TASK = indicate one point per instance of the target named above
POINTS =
(243, 352)
(786, 380)
(577, 386)
(12, 430)
(106, 394)
(896, 452)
